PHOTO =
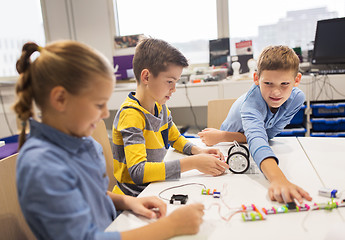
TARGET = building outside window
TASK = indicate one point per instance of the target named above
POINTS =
(269, 22)
(187, 25)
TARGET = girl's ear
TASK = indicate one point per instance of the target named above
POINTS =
(58, 98)
(256, 78)
(297, 79)
(144, 77)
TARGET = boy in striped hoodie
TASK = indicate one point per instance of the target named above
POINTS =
(143, 127)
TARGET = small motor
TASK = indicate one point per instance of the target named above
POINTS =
(238, 158)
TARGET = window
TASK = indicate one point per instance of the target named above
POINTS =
(269, 22)
(20, 22)
(187, 25)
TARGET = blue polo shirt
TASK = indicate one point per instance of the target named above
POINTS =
(251, 115)
(62, 185)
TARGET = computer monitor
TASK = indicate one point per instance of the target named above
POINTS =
(219, 52)
(329, 45)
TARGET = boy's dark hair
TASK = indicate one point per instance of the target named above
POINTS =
(156, 55)
(278, 58)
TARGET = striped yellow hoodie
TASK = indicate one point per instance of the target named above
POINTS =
(140, 142)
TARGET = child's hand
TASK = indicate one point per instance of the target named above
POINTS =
(281, 189)
(150, 207)
(210, 136)
(285, 191)
(213, 151)
(187, 219)
(210, 164)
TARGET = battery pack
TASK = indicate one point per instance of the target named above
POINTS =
(328, 192)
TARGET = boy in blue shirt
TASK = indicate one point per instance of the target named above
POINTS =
(262, 113)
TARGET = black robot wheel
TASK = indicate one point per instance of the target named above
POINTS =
(238, 162)
(238, 148)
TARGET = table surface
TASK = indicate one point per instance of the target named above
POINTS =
(303, 162)
(327, 157)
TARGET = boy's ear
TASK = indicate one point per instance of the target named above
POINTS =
(256, 78)
(144, 77)
(297, 79)
(58, 98)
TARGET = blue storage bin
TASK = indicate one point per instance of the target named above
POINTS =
(10, 139)
(328, 109)
(299, 116)
(11, 146)
(328, 124)
(327, 134)
(293, 132)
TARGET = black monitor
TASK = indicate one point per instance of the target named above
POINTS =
(219, 52)
(329, 45)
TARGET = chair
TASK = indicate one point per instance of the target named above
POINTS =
(217, 110)
(100, 134)
(12, 221)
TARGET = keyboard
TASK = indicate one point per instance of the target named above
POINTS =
(325, 69)
(332, 71)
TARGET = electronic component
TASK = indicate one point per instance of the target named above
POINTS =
(291, 205)
(238, 148)
(252, 213)
(209, 192)
(179, 199)
(238, 158)
(238, 162)
(216, 194)
(328, 192)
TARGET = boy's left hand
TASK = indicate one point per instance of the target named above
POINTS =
(285, 191)
(150, 207)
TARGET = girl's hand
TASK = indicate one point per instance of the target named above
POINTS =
(186, 219)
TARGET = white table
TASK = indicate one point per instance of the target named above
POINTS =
(328, 159)
(327, 156)
(247, 189)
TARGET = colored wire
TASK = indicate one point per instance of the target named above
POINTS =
(227, 219)
(187, 184)
(224, 193)
(306, 216)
